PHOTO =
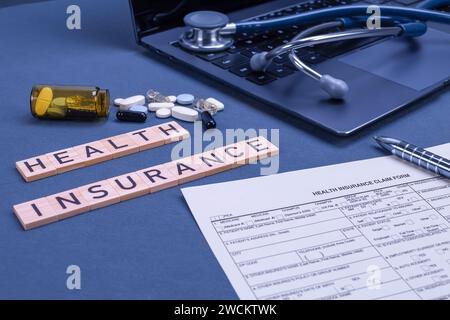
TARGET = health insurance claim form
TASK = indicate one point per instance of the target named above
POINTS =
(371, 229)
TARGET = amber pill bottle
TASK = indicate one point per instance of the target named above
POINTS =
(69, 102)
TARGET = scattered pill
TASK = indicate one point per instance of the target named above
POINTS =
(155, 106)
(59, 102)
(172, 99)
(139, 108)
(132, 116)
(184, 114)
(127, 103)
(155, 96)
(43, 101)
(117, 101)
(220, 106)
(56, 112)
(163, 113)
(207, 120)
(58, 108)
(185, 99)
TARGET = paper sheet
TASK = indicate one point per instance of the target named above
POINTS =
(371, 229)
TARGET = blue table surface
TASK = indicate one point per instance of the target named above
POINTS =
(149, 247)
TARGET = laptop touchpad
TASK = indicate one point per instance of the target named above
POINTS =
(417, 63)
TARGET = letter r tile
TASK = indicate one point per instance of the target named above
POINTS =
(158, 177)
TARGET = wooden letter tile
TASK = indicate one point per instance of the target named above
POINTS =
(187, 169)
(233, 154)
(171, 132)
(36, 168)
(257, 148)
(120, 145)
(35, 213)
(262, 147)
(99, 194)
(65, 160)
(158, 177)
(93, 152)
(213, 161)
(129, 186)
(68, 203)
(147, 138)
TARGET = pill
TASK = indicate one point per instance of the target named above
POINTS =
(172, 99)
(185, 99)
(43, 101)
(185, 114)
(132, 116)
(127, 103)
(139, 108)
(163, 113)
(207, 120)
(220, 106)
(59, 102)
(117, 101)
(154, 106)
(56, 112)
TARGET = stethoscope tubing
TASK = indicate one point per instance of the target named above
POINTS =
(430, 4)
(339, 12)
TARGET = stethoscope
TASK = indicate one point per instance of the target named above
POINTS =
(211, 31)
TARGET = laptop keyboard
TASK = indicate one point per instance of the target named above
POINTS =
(237, 58)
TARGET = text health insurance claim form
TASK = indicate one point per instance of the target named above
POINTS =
(371, 229)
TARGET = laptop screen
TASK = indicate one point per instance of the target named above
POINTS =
(152, 16)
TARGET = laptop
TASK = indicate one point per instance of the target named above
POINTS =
(384, 75)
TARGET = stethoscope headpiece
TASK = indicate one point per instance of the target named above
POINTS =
(204, 32)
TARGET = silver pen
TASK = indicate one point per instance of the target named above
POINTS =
(416, 155)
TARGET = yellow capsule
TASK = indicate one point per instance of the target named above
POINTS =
(43, 101)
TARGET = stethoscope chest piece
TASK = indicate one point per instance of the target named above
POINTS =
(204, 34)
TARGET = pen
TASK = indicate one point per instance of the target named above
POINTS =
(416, 155)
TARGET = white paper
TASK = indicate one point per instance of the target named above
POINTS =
(371, 229)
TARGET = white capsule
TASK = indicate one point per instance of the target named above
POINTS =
(220, 106)
(155, 106)
(172, 99)
(117, 101)
(184, 114)
(163, 113)
(126, 104)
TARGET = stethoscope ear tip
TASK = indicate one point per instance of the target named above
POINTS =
(258, 62)
(336, 88)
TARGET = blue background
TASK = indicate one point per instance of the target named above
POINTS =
(149, 247)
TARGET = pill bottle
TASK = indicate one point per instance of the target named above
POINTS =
(69, 102)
